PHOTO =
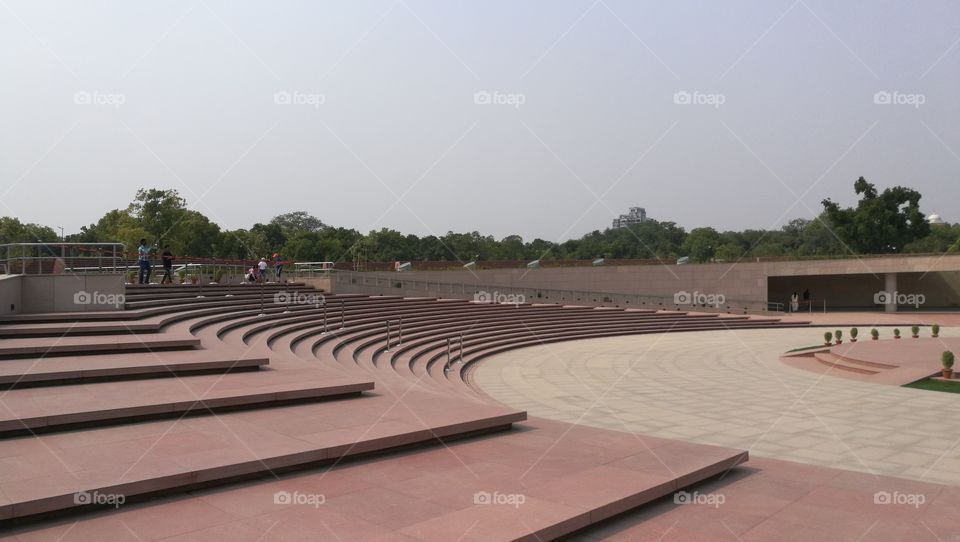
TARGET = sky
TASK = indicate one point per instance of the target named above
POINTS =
(541, 118)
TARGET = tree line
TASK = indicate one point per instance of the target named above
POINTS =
(886, 222)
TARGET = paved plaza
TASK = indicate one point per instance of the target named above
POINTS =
(730, 388)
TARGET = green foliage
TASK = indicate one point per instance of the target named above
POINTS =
(854, 332)
(896, 332)
(947, 359)
(874, 333)
(935, 329)
(881, 223)
(838, 334)
(915, 330)
(827, 337)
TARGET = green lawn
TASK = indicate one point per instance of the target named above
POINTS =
(935, 385)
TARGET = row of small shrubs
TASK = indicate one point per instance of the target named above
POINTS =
(828, 336)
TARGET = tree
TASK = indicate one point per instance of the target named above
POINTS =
(158, 211)
(298, 221)
(881, 223)
(701, 244)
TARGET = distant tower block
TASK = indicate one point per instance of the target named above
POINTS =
(637, 215)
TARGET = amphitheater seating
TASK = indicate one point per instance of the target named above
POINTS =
(191, 387)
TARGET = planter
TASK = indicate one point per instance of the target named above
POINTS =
(853, 340)
(875, 338)
(947, 373)
(916, 336)
(839, 341)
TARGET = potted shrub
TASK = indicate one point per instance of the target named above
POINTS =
(853, 334)
(828, 338)
(874, 334)
(839, 335)
(916, 331)
(935, 328)
(947, 361)
(896, 333)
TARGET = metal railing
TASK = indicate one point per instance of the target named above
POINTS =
(57, 258)
(512, 294)
(313, 269)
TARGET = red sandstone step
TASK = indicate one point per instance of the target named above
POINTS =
(60, 329)
(827, 358)
(540, 482)
(105, 402)
(70, 369)
(41, 346)
(138, 459)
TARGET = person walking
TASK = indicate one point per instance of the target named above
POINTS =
(167, 259)
(277, 267)
(143, 260)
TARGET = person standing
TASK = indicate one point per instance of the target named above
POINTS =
(794, 302)
(167, 259)
(277, 267)
(143, 259)
(262, 266)
(806, 298)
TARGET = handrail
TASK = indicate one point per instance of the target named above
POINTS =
(60, 257)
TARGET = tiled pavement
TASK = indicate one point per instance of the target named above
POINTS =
(729, 388)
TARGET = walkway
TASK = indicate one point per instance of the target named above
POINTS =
(729, 388)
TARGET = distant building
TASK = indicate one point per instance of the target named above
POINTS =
(637, 215)
(934, 219)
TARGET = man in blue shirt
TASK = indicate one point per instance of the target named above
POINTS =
(143, 258)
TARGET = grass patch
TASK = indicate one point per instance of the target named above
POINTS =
(935, 385)
(806, 348)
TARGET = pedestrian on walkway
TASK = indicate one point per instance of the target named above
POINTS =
(167, 259)
(143, 260)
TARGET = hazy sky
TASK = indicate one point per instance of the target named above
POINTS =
(578, 115)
